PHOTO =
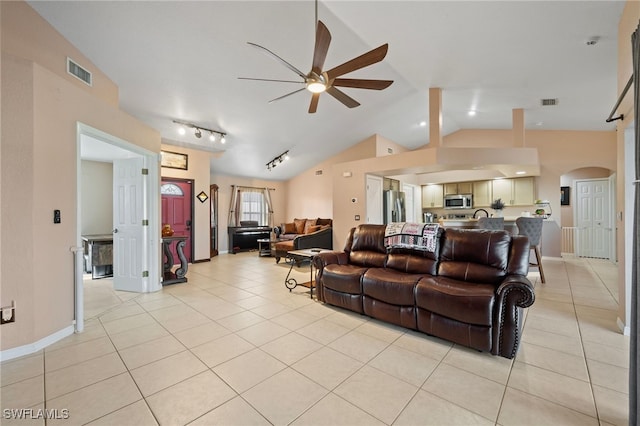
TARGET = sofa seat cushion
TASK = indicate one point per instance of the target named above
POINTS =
(288, 236)
(391, 286)
(471, 303)
(343, 278)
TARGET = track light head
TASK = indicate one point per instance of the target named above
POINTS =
(198, 133)
(212, 137)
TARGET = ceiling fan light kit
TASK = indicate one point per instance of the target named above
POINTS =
(318, 81)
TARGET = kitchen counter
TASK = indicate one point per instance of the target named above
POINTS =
(470, 223)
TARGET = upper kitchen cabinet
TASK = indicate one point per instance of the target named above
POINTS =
(458, 188)
(482, 193)
(390, 184)
(432, 196)
(514, 192)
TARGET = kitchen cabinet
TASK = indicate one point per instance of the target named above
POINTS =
(482, 194)
(432, 196)
(458, 188)
(390, 184)
(514, 192)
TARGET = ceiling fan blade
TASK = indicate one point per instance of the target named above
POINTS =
(323, 39)
(366, 59)
(359, 83)
(288, 94)
(268, 79)
(342, 97)
(282, 61)
(314, 103)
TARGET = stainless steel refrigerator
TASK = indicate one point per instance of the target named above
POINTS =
(393, 207)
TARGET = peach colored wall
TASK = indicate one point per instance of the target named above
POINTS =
(39, 150)
(318, 202)
(224, 182)
(383, 146)
(198, 170)
(27, 35)
(628, 24)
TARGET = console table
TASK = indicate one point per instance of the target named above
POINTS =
(179, 275)
(98, 255)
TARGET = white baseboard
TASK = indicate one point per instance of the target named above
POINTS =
(626, 330)
(36, 346)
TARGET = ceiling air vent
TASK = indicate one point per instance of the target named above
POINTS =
(78, 72)
(549, 102)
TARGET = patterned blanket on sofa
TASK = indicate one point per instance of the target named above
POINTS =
(418, 236)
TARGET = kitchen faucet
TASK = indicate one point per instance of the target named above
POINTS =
(480, 210)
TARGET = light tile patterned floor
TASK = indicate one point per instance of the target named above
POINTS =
(233, 346)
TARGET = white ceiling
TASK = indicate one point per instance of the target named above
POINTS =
(181, 60)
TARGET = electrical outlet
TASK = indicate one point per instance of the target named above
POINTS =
(8, 313)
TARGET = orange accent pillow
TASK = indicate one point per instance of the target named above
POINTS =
(299, 223)
(308, 224)
(288, 228)
(312, 229)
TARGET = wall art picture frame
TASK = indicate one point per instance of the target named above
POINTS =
(174, 160)
(565, 192)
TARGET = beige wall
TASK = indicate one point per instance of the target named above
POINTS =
(40, 111)
(96, 193)
(198, 170)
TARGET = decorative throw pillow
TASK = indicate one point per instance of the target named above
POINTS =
(312, 229)
(299, 225)
(308, 224)
(288, 228)
(320, 221)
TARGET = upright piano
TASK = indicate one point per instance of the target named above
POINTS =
(243, 238)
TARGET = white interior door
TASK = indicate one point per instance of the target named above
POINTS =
(410, 202)
(129, 249)
(374, 199)
(593, 218)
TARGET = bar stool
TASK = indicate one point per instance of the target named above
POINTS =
(531, 227)
(491, 223)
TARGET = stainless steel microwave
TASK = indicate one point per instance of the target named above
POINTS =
(460, 201)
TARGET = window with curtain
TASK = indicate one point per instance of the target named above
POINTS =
(252, 207)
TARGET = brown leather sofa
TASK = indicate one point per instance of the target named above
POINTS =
(304, 234)
(471, 290)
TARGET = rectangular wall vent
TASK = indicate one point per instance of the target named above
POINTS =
(549, 102)
(318, 172)
(78, 72)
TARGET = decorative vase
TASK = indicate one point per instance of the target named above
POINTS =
(167, 231)
(497, 213)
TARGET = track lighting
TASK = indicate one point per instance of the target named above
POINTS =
(197, 131)
(277, 160)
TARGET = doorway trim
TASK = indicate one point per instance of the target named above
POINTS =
(151, 206)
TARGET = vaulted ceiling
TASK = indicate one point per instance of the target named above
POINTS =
(176, 60)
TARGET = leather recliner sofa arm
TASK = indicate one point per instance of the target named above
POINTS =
(319, 239)
(513, 294)
(320, 261)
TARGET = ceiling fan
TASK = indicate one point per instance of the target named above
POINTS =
(318, 81)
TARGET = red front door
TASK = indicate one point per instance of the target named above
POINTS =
(177, 197)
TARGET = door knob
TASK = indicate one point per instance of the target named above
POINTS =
(115, 230)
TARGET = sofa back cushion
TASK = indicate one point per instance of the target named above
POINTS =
(288, 228)
(367, 247)
(320, 221)
(414, 261)
(299, 224)
(474, 255)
